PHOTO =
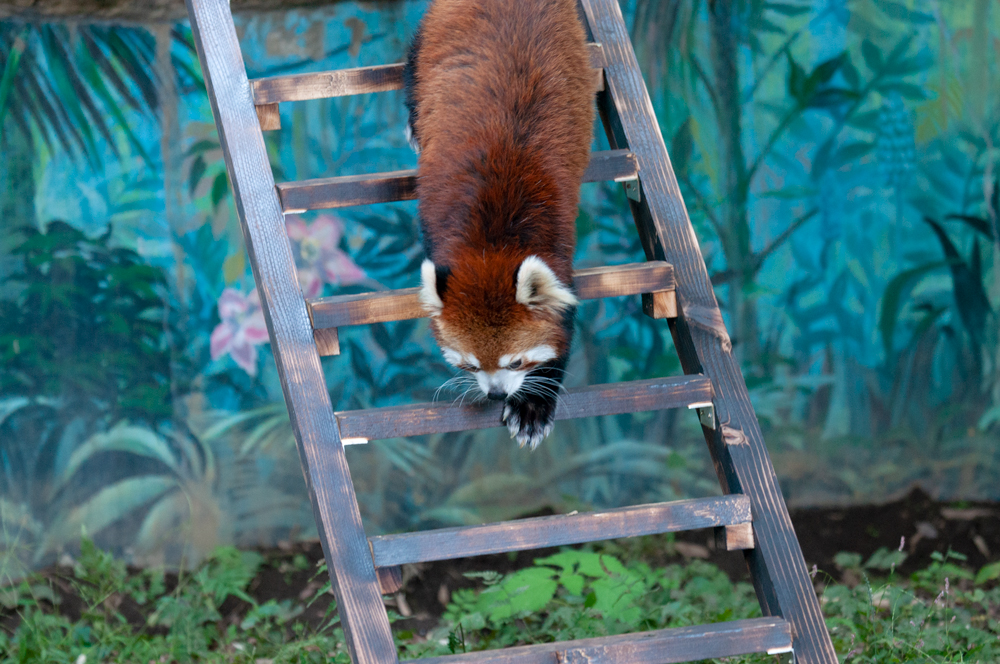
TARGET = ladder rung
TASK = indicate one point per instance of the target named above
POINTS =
(345, 82)
(368, 189)
(559, 530)
(386, 306)
(592, 401)
(770, 635)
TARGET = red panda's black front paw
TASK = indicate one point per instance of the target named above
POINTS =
(529, 420)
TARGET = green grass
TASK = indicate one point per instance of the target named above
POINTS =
(944, 613)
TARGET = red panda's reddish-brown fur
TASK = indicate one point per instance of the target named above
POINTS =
(501, 106)
(505, 97)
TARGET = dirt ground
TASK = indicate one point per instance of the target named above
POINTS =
(923, 525)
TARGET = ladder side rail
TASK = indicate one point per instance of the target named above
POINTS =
(737, 446)
(321, 453)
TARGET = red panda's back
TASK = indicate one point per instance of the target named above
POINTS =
(503, 87)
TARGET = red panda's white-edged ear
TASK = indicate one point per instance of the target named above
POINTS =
(539, 289)
(430, 300)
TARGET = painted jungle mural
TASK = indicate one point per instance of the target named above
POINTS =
(839, 160)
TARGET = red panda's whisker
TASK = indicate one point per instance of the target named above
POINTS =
(476, 398)
(546, 382)
(453, 382)
(539, 390)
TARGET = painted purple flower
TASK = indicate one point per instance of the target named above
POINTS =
(319, 257)
(241, 329)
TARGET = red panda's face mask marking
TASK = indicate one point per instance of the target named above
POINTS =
(497, 328)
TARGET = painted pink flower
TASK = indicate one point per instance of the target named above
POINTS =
(318, 254)
(241, 329)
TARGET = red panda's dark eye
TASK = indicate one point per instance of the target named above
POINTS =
(466, 367)
(515, 365)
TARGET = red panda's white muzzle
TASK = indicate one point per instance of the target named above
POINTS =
(501, 384)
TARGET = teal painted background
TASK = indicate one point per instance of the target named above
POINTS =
(839, 160)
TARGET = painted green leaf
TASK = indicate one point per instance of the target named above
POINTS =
(10, 71)
(787, 9)
(853, 152)
(220, 188)
(107, 506)
(196, 173)
(203, 145)
(900, 12)
(584, 224)
(796, 79)
(872, 56)
(681, 146)
(892, 300)
(978, 224)
(851, 74)
(989, 418)
(160, 520)
(908, 90)
(122, 438)
(824, 71)
(967, 286)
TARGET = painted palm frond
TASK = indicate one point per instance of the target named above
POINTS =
(73, 87)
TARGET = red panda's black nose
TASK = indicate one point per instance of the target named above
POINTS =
(496, 395)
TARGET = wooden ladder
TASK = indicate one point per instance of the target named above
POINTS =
(674, 285)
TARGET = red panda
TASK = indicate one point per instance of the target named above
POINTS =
(500, 100)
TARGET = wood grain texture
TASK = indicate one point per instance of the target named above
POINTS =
(592, 401)
(348, 191)
(559, 530)
(327, 341)
(386, 306)
(351, 190)
(345, 82)
(776, 564)
(662, 304)
(390, 579)
(268, 117)
(359, 601)
(664, 646)
(326, 84)
(737, 537)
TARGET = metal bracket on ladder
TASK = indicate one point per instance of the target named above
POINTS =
(783, 655)
(632, 190)
(706, 413)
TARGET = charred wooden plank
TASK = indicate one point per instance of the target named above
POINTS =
(559, 530)
(351, 190)
(386, 306)
(592, 401)
(346, 82)
(664, 646)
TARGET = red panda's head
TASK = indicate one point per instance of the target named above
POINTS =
(497, 316)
